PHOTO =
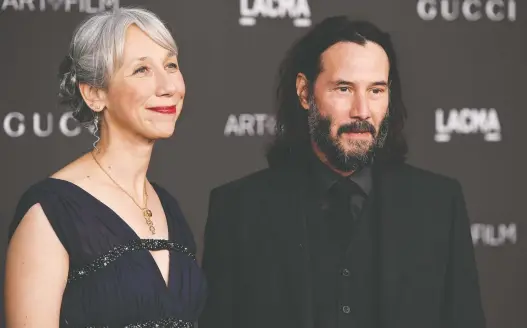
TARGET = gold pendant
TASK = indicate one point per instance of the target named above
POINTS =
(147, 213)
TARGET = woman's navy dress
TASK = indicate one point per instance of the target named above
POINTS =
(113, 279)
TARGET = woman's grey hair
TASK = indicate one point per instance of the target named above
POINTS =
(96, 51)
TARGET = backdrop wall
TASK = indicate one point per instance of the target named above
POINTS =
(463, 72)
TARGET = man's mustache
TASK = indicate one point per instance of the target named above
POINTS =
(357, 127)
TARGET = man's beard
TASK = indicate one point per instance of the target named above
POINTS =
(342, 160)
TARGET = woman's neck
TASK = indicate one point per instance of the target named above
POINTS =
(125, 159)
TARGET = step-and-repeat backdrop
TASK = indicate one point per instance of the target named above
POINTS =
(464, 71)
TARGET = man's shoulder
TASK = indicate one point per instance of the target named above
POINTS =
(418, 176)
(268, 182)
(257, 180)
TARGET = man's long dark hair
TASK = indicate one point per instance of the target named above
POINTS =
(292, 137)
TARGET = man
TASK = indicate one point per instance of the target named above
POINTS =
(339, 231)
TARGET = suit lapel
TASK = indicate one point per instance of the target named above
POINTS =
(394, 224)
(291, 225)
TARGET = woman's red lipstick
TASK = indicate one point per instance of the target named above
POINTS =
(164, 109)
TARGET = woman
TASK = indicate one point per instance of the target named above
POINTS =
(97, 244)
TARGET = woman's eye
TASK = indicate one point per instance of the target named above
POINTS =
(141, 69)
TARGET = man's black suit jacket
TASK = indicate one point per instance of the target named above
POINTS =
(256, 255)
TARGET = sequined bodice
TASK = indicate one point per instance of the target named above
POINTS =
(113, 279)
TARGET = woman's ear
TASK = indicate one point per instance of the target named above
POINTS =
(95, 98)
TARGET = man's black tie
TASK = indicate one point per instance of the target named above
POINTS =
(343, 211)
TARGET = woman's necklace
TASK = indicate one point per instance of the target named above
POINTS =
(146, 212)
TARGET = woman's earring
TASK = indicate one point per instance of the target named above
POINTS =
(95, 130)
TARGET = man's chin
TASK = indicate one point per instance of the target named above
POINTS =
(355, 157)
(356, 151)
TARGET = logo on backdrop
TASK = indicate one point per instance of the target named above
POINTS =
(250, 125)
(467, 121)
(297, 10)
(42, 125)
(83, 6)
(494, 235)
(470, 10)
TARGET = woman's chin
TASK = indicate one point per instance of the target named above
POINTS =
(161, 131)
(152, 137)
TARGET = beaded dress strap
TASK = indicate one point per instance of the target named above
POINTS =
(163, 323)
(118, 251)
